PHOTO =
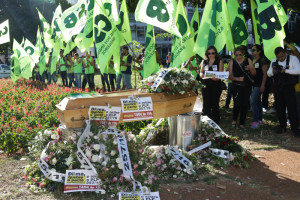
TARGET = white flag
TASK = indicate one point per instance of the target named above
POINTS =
(4, 32)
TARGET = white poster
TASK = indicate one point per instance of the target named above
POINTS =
(137, 109)
(104, 114)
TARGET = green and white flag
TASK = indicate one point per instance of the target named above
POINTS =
(15, 71)
(272, 19)
(41, 52)
(55, 58)
(214, 28)
(159, 13)
(30, 50)
(84, 39)
(70, 46)
(256, 23)
(149, 63)
(24, 59)
(73, 20)
(110, 6)
(57, 37)
(46, 29)
(238, 24)
(182, 48)
(4, 32)
(123, 24)
(106, 35)
(194, 25)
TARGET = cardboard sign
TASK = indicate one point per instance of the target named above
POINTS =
(81, 180)
(105, 115)
(137, 109)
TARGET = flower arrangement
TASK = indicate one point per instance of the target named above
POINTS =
(177, 80)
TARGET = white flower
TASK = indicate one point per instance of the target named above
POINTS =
(97, 147)
(185, 82)
(113, 152)
(69, 160)
(95, 137)
(104, 163)
(174, 176)
(95, 158)
(172, 161)
(120, 166)
(88, 153)
(115, 142)
(231, 157)
(118, 160)
(150, 79)
(53, 170)
(55, 136)
(182, 92)
(162, 81)
(54, 161)
(140, 162)
(113, 166)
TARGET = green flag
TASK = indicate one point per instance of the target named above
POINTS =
(30, 49)
(123, 24)
(46, 29)
(15, 71)
(54, 58)
(149, 63)
(238, 24)
(256, 23)
(26, 63)
(70, 46)
(84, 39)
(40, 45)
(73, 20)
(214, 28)
(182, 48)
(110, 6)
(4, 32)
(272, 19)
(159, 13)
(106, 35)
(57, 37)
(194, 25)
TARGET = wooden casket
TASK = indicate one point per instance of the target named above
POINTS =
(74, 111)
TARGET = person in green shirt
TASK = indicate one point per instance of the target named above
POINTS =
(78, 62)
(63, 68)
(111, 74)
(48, 69)
(89, 65)
(70, 69)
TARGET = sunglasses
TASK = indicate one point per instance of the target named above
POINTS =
(253, 50)
(211, 53)
(236, 55)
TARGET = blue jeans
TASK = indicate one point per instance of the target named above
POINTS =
(126, 81)
(71, 79)
(78, 80)
(256, 105)
(51, 77)
(119, 78)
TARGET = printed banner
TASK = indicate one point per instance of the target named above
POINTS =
(182, 159)
(4, 32)
(81, 180)
(220, 153)
(213, 125)
(208, 144)
(136, 196)
(137, 109)
(105, 115)
(159, 78)
(216, 74)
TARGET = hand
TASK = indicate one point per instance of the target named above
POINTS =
(241, 79)
(283, 71)
(247, 67)
(214, 79)
(262, 89)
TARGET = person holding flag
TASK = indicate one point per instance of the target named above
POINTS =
(63, 68)
(70, 69)
(111, 74)
(89, 65)
(212, 92)
(78, 62)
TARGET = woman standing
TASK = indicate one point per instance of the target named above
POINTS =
(241, 72)
(70, 70)
(212, 90)
(261, 67)
(90, 70)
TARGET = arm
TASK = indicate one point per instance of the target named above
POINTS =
(128, 64)
(250, 67)
(202, 69)
(294, 49)
(264, 79)
(270, 70)
(295, 66)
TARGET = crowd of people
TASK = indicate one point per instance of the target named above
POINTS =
(251, 79)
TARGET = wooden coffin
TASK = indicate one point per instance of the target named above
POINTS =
(74, 112)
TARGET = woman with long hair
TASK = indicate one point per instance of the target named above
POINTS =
(241, 72)
(212, 91)
(261, 68)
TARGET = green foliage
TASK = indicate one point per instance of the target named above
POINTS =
(134, 127)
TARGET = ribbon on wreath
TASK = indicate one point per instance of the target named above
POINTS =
(182, 159)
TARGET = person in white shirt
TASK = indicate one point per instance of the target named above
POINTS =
(285, 68)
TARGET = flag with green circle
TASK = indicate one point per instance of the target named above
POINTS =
(123, 25)
(194, 24)
(238, 24)
(4, 32)
(159, 13)
(46, 30)
(149, 62)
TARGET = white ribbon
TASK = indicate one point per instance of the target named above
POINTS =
(159, 78)
(152, 131)
(220, 153)
(213, 124)
(182, 159)
(44, 167)
(200, 148)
